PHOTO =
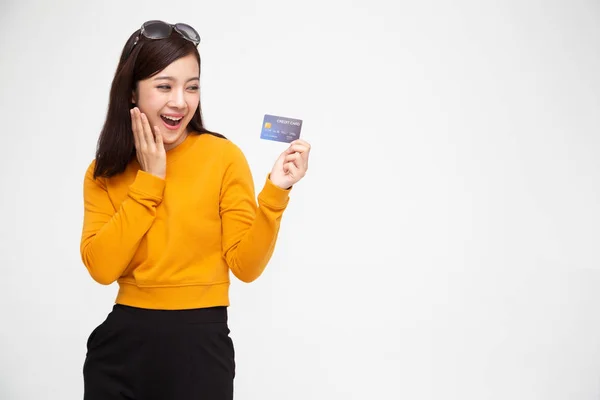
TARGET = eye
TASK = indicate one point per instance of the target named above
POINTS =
(193, 88)
(164, 87)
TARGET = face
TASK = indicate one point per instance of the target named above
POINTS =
(170, 98)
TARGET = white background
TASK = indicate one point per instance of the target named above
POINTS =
(444, 244)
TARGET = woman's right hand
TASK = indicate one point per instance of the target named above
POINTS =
(150, 149)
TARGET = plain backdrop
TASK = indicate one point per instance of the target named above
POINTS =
(444, 244)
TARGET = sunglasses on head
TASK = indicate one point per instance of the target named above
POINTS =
(162, 30)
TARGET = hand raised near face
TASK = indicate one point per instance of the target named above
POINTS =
(150, 150)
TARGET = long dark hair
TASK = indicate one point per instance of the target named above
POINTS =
(116, 147)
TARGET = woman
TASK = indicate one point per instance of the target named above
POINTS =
(170, 209)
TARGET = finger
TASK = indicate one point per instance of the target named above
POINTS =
(159, 141)
(297, 148)
(295, 158)
(148, 135)
(134, 129)
(301, 143)
(140, 129)
(299, 159)
(301, 164)
(291, 157)
(293, 170)
(305, 152)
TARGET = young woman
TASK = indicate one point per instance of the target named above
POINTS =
(170, 209)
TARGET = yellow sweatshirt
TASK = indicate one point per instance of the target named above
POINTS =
(171, 243)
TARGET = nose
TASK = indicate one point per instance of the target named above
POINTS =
(177, 99)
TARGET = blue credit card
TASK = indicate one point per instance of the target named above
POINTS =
(280, 129)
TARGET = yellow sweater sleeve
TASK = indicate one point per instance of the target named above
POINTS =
(111, 237)
(249, 230)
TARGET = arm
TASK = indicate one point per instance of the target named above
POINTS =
(249, 231)
(110, 238)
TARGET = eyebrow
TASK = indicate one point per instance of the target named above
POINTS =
(170, 78)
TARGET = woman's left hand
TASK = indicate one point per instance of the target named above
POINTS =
(291, 165)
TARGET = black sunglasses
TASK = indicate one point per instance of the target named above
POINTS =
(162, 30)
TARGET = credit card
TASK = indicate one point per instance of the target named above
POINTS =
(280, 129)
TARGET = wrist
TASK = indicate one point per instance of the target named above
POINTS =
(282, 186)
